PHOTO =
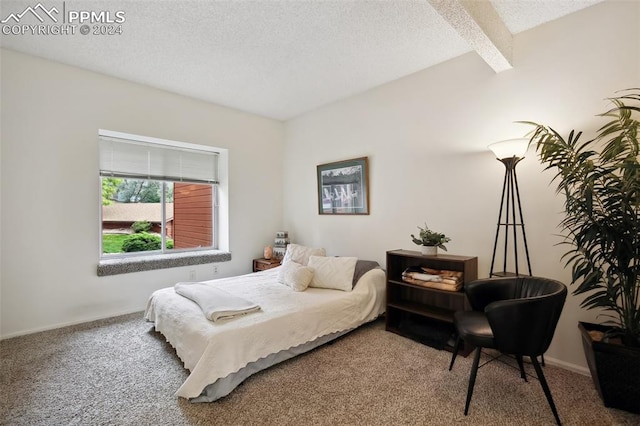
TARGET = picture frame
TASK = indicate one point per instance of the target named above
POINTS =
(343, 187)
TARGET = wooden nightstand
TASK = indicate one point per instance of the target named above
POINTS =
(263, 264)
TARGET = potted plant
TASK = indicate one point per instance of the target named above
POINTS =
(429, 241)
(600, 181)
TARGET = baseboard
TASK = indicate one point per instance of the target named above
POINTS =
(67, 324)
(567, 366)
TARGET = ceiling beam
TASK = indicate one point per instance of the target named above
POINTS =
(480, 25)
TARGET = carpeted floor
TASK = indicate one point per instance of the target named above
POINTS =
(119, 371)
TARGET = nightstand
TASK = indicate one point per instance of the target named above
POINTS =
(263, 264)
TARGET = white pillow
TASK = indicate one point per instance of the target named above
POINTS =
(333, 272)
(295, 275)
(300, 254)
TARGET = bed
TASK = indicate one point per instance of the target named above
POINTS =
(222, 354)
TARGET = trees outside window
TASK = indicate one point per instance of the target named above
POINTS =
(142, 216)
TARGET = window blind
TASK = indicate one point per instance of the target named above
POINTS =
(128, 158)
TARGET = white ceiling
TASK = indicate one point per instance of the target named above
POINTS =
(280, 58)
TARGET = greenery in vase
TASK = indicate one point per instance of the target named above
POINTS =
(600, 181)
(427, 237)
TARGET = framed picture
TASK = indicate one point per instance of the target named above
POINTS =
(343, 187)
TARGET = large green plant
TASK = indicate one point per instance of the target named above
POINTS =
(600, 179)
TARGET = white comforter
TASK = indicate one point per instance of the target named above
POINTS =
(288, 318)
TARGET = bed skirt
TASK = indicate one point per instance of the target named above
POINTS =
(223, 387)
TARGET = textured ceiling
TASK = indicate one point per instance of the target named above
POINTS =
(278, 58)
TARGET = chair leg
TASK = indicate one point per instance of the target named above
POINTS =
(545, 387)
(456, 348)
(472, 378)
(521, 364)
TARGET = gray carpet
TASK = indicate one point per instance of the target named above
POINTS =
(119, 371)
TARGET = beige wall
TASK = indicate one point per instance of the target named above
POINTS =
(426, 137)
(51, 114)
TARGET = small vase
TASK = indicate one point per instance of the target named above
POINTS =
(429, 250)
(268, 252)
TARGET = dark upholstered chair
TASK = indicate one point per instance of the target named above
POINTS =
(514, 315)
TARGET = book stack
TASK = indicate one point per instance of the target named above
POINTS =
(281, 243)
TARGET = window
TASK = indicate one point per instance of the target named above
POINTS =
(158, 196)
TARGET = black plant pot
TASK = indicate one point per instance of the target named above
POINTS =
(615, 370)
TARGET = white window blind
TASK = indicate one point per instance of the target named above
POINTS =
(161, 160)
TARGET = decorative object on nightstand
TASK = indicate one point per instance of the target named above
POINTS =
(510, 153)
(429, 241)
(268, 252)
(281, 243)
(263, 264)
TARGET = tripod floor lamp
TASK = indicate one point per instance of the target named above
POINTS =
(510, 221)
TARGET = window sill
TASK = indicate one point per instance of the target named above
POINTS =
(127, 265)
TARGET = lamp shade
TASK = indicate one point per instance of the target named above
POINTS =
(510, 148)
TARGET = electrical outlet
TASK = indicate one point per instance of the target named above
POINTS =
(215, 269)
(192, 275)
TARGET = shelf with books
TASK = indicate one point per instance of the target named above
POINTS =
(419, 312)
